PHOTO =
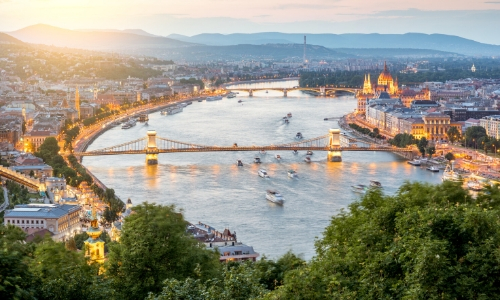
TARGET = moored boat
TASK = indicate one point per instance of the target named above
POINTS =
(432, 169)
(415, 162)
(214, 98)
(474, 185)
(174, 110)
(450, 175)
(275, 197)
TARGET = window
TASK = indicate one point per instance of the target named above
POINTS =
(37, 221)
(22, 221)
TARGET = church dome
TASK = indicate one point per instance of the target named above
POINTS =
(385, 75)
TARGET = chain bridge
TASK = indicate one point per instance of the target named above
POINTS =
(333, 142)
(322, 90)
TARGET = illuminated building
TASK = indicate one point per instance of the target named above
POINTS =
(94, 246)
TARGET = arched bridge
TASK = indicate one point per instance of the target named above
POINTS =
(322, 90)
(334, 143)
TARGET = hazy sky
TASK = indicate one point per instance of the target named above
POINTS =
(475, 19)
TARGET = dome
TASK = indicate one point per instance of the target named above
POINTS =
(385, 75)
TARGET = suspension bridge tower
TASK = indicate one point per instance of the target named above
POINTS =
(334, 143)
(151, 149)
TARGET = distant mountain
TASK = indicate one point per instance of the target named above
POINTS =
(441, 42)
(132, 31)
(95, 40)
(395, 52)
(7, 39)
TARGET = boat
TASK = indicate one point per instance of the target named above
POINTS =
(359, 188)
(239, 163)
(189, 102)
(299, 135)
(263, 173)
(200, 100)
(432, 169)
(295, 152)
(474, 185)
(126, 126)
(143, 118)
(307, 159)
(231, 95)
(277, 156)
(214, 98)
(239, 101)
(325, 119)
(262, 152)
(450, 175)
(163, 112)
(174, 110)
(267, 92)
(309, 152)
(183, 105)
(275, 197)
(257, 160)
(289, 115)
(415, 162)
(286, 121)
(292, 174)
(375, 184)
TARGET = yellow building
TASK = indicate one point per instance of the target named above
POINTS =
(386, 82)
(94, 246)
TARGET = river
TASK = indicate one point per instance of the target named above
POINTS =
(209, 187)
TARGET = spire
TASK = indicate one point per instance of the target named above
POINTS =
(385, 66)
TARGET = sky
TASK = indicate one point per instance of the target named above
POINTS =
(474, 19)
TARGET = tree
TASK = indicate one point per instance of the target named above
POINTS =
(154, 246)
(453, 134)
(473, 133)
(449, 156)
(425, 240)
(422, 145)
(430, 151)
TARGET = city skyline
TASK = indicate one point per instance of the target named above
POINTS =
(461, 18)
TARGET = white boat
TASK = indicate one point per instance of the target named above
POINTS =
(307, 159)
(298, 135)
(214, 98)
(257, 160)
(295, 152)
(275, 197)
(277, 156)
(292, 174)
(126, 126)
(183, 105)
(309, 152)
(174, 110)
(474, 185)
(231, 95)
(415, 162)
(375, 184)
(239, 163)
(289, 115)
(360, 188)
(262, 152)
(450, 175)
(432, 169)
(263, 173)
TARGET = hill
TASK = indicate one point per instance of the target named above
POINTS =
(440, 42)
(95, 40)
(7, 39)
(132, 31)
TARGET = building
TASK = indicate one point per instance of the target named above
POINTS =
(53, 183)
(436, 125)
(61, 220)
(94, 246)
(86, 111)
(385, 85)
(492, 125)
(225, 242)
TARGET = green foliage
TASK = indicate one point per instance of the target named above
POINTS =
(453, 134)
(472, 134)
(272, 273)
(430, 151)
(363, 130)
(238, 282)
(424, 242)
(422, 145)
(18, 194)
(403, 140)
(449, 156)
(193, 81)
(154, 246)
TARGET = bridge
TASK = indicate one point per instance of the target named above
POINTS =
(27, 181)
(322, 90)
(333, 142)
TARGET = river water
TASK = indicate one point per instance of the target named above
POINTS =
(210, 188)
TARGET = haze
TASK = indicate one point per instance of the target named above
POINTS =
(469, 19)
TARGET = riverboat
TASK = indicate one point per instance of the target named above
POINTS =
(450, 175)
(292, 174)
(174, 110)
(275, 197)
(143, 118)
(375, 184)
(263, 173)
(239, 163)
(309, 152)
(307, 159)
(432, 169)
(231, 95)
(415, 162)
(359, 188)
(474, 185)
(214, 98)
(257, 160)
(298, 135)
(277, 156)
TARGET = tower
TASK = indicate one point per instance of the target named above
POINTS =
(66, 101)
(24, 113)
(151, 150)
(95, 92)
(305, 46)
(473, 69)
(367, 86)
(77, 101)
(94, 246)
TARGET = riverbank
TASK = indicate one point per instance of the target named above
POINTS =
(259, 81)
